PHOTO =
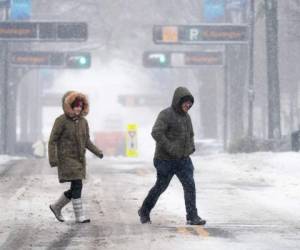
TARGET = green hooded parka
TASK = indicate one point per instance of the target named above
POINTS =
(173, 130)
(69, 139)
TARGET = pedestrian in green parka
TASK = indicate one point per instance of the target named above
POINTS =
(67, 146)
(174, 137)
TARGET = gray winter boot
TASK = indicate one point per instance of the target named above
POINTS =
(78, 211)
(58, 205)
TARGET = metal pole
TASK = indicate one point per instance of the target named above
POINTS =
(225, 105)
(4, 89)
(5, 97)
(251, 69)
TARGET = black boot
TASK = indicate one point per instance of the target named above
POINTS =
(144, 217)
(195, 220)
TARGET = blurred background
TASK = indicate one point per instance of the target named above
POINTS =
(128, 62)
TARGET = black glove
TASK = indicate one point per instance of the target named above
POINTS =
(53, 164)
(101, 155)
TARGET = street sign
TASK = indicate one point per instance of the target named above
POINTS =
(50, 59)
(20, 9)
(131, 140)
(179, 59)
(200, 34)
(45, 31)
(203, 58)
(37, 59)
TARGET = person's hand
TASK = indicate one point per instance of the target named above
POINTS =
(101, 155)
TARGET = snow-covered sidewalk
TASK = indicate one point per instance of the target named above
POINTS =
(4, 159)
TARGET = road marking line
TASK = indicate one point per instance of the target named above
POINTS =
(183, 230)
(201, 231)
(141, 172)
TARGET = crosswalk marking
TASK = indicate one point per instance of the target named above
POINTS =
(201, 231)
(183, 230)
(193, 230)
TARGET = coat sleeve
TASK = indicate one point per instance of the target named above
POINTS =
(159, 133)
(91, 146)
(54, 138)
(192, 138)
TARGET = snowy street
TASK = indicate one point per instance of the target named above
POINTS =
(250, 201)
(103, 90)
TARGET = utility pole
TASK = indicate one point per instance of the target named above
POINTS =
(225, 105)
(226, 86)
(4, 87)
(251, 69)
(236, 64)
(274, 126)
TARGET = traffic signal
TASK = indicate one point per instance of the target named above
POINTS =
(156, 59)
(78, 60)
(180, 59)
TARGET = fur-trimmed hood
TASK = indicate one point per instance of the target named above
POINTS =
(69, 98)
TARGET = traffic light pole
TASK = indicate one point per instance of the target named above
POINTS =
(4, 91)
(251, 70)
(225, 105)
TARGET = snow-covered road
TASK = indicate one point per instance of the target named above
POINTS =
(251, 201)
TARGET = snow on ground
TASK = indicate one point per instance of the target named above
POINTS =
(250, 201)
(7, 158)
(263, 179)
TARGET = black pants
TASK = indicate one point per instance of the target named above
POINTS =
(75, 190)
(166, 169)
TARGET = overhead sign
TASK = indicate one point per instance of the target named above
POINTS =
(23, 58)
(20, 9)
(200, 34)
(131, 141)
(178, 59)
(46, 31)
(78, 60)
